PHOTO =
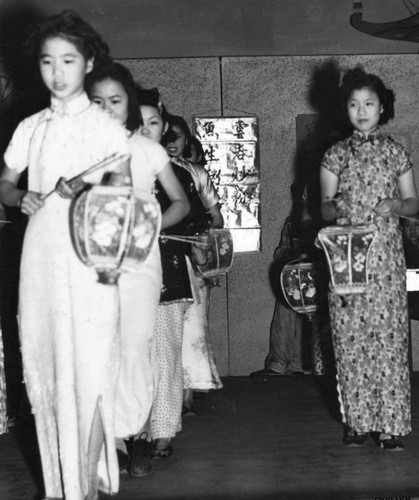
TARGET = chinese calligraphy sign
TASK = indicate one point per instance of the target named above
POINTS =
(231, 152)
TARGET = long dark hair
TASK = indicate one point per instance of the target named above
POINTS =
(118, 73)
(356, 79)
(179, 121)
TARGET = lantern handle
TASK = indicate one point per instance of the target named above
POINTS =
(97, 166)
(186, 239)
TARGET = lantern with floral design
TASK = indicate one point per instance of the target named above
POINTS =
(347, 249)
(113, 229)
(299, 288)
(219, 253)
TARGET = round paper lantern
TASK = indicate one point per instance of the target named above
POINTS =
(219, 253)
(298, 283)
(113, 229)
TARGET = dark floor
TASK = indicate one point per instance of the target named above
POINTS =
(277, 439)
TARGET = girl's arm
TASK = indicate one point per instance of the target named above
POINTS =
(407, 204)
(180, 206)
(328, 188)
(28, 201)
(217, 220)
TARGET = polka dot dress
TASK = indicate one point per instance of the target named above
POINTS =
(166, 417)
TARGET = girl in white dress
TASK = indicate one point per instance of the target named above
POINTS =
(68, 321)
(113, 88)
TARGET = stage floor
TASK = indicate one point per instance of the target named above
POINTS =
(277, 439)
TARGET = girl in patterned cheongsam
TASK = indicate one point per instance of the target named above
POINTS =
(367, 178)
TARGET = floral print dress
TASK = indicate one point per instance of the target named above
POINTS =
(370, 330)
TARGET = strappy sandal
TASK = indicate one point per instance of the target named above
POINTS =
(388, 442)
(163, 452)
(354, 439)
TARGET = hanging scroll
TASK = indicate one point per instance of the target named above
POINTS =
(231, 152)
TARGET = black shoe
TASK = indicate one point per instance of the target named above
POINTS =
(387, 442)
(354, 439)
(189, 411)
(123, 461)
(142, 459)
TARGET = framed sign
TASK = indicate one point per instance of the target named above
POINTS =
(232, 154)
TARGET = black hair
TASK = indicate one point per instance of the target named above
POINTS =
(179, 121)
(70, 26)
(199, 150)
(151, 97)
(356, 79)
(118, 73)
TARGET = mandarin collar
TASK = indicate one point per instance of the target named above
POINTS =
(72, 107)
(358, 137)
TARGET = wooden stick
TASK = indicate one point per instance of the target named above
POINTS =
(97, 166)
(414, 219)
(185, 239)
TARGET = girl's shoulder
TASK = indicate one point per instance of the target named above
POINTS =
(398, 144)
(339, 149)
(148, 147)
(30, 122)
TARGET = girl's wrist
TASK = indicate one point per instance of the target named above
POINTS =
(398, 206)
(21, 195)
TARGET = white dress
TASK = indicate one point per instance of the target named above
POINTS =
(140, 296)
(69, 323)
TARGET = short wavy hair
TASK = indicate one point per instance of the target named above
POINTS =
(356, 79)
(118, 73)
(72, 27)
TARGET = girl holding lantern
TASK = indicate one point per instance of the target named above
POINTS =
(68, 321)
(113, 88)
(368, 178)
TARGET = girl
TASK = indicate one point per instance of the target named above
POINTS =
(199, 369)
(176, 291)
(113, 88)
(373, 176)
(68, 321)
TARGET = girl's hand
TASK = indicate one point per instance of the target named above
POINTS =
(67, 189)
(200, 251)
(341, 205)
(388, 207)
(31, 202)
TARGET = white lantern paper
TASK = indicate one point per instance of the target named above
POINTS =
(114, 229)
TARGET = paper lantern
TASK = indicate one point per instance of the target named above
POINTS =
(298, 283)
(347, 249)
(219, 254)
(113, 229)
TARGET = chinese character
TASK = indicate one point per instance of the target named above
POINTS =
(209, 128)
(239, 126)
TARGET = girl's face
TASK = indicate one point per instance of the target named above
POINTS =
(63, 68)
(176, 147)
(154, 126)
(111, 96)
(364, 110)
